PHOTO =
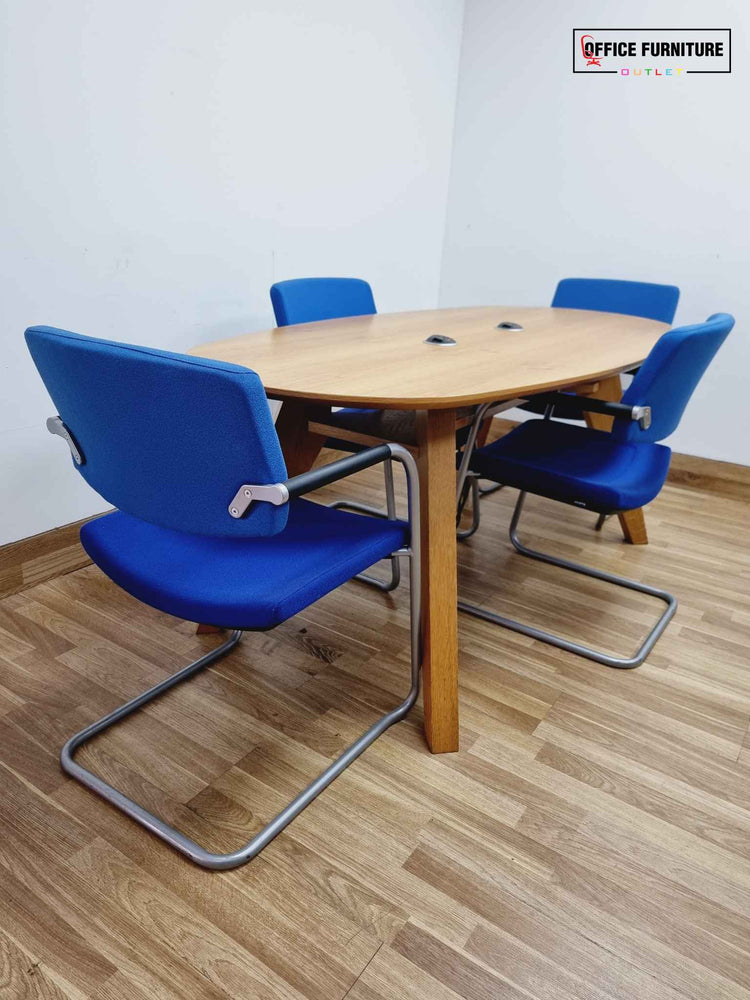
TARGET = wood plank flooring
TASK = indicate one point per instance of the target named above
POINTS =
(591, 839)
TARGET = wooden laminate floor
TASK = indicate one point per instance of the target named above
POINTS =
(591, 840)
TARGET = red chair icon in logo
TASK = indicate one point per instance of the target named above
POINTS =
(588, 51)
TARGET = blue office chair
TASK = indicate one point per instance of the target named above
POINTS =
(630, 298)
(234, 546)
(306, 300)
(604, 472)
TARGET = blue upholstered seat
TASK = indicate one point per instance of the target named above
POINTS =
(613, 471)
(630, 298)
(580, 466)
(616, 471)
(307, 300)
(168, 439)
(210, 527)
(248, 583)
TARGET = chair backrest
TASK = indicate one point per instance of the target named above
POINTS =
(631, 298)
(165, 437)
(305, 300)
(668, 376)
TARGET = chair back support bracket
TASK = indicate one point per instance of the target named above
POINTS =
(275, 493)
(56, 426)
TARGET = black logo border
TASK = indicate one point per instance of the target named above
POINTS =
(600, 72)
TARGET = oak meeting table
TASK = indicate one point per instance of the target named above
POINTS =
(384, 361)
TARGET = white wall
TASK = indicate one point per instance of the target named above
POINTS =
(166, 161)
(555, 175)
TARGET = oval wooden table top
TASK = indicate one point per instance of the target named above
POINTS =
(383, 359)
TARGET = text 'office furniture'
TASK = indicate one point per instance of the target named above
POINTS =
(603, 472)
(209, 526)
(392, 361)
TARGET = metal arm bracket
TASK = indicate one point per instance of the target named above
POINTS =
(275, 493)
(643, 415)
(56, 426)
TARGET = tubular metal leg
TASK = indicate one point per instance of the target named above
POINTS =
(390, 513)
(574, 647)
(600, 522)
(484, 491)
(477, 492)
(179, 841)
(481, 413)
(471, 486)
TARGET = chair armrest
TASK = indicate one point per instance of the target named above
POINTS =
(306, 482)
(620, 411)
(278, 493)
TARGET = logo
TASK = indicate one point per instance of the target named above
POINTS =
(652, 52)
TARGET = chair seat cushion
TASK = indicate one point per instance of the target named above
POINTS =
(575, 464)
(250, 583)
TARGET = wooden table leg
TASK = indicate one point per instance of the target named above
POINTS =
(436, 435)
(632, 522)
(300, 449)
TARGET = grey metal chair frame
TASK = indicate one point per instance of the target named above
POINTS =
(390, 513)
(625, 663)
(390, 510)
(467, 483)
(297, 486)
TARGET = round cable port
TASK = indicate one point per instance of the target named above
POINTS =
(441, 340)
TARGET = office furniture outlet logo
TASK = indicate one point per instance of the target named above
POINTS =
(652, 53)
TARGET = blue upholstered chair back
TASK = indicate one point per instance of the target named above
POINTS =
(305, 300)
(631, 298)
(165, 437)
(668, 376)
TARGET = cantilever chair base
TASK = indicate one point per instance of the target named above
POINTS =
(188, 847)
(623, 663)
(485, 491)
